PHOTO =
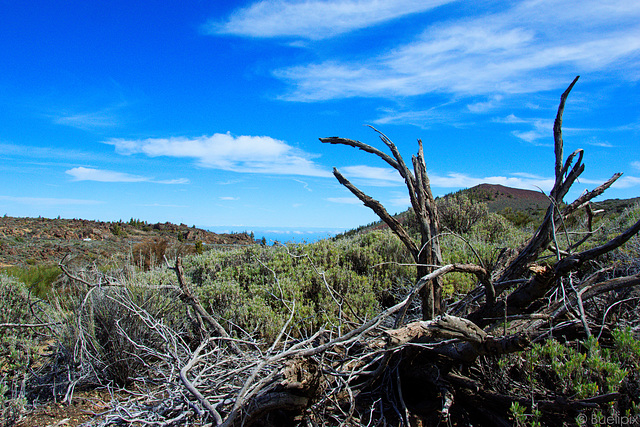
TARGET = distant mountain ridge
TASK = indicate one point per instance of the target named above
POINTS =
(500, 198)
(498, 190)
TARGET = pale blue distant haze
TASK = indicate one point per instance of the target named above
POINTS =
(208, 113)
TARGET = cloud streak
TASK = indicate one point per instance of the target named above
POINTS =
(373, 176)
(626, 181)
(385, 177)
(345, 200)
(88, 121)
(245, 154)
(102, 175)
(315, 19)
(519, 51)
(49, 153)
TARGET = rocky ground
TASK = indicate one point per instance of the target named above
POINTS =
(34, 241)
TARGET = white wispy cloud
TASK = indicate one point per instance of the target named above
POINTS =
(387, 177)
(49, 153)
(171, 181)
(635, 165)
(86, 121)
(248, 154)
(229, 198)
(304, 184)
(510, 119)
(315, 19)
(597, 142)
(460, 180)
(540, 129)
(626, 181)
(345, 200)
(535, 45)
(374, 176)
(49, 201)
(102, 175)
(484, 106)
(420, 118)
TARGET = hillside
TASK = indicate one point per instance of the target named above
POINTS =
(44, 240)
(531, 205)
(499, 197)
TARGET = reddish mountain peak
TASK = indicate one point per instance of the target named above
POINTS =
(500, 191)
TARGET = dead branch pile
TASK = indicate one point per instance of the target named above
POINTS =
(391, 369)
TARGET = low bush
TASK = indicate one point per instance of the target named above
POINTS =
(119, 334)
(458, 213)
(581, 370)
(20, 346)
(39, 279)
(330, 283)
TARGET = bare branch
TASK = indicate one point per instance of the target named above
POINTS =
(382, 213)
(364, 147)
(402, 167)
(193, 300)
(183, 377)
(575, 260)
(557, 132)
(590, 195)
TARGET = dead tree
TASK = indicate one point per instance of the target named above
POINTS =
(433, 360)
(416, 373)
(427, 254)
(546, 238)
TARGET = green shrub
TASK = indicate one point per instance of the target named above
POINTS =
(458, 213)
(39, 279)
(19, 346)
(572, 371)
(474, 247)
(586, 371)
(518, 218)
(332, 283)
(118, 231)
(493, 228)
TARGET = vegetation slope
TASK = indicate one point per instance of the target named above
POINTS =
(100, 328)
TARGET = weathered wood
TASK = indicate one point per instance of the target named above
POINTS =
(557, 132)
(377, 358)
(428, 253)
(445, 327)
(379, 209)
(544, 234)
(192, 299)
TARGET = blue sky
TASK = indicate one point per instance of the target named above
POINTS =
(209, 112)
